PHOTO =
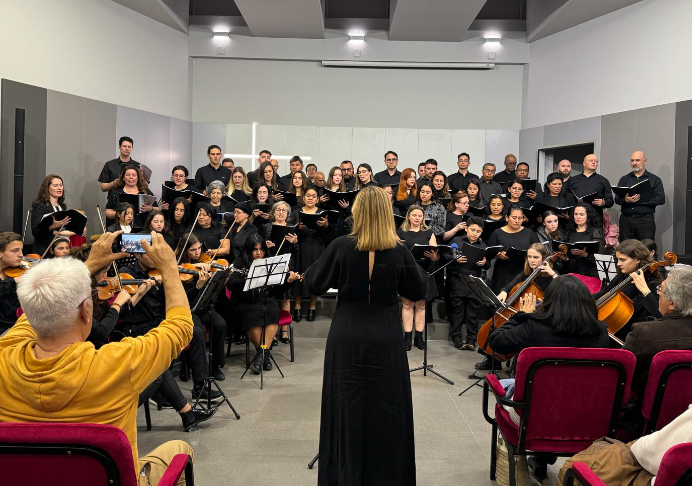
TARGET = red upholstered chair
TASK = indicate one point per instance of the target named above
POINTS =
(566, 398)
(583, 474)
(592, 283)
(668, 391)
(74, 455)
(285, 319)
(676, 466)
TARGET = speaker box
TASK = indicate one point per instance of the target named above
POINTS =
(18, 206)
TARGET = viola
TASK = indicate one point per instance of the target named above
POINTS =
(615, 308)
(187, 272)
(216, 264)
(111, 285)
(511, 306)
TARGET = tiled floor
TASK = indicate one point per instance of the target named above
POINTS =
(278, 432)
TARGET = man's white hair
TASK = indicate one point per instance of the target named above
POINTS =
(679, 288)
(51, 292)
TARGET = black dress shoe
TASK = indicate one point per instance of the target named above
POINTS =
(284, 337)
(311, 315)
(407, 340)
(458, 342)
(195, 417)
(218, 374)
(200, 391)
(267, 363)
(297, 316)
(487, 365)
(418, 341)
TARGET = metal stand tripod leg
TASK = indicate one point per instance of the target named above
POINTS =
(311, 464)
(480, 378)
(426, 367)
(263, 350)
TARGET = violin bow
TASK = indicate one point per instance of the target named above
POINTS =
(115, 267)
(189, 233)
(57, 235)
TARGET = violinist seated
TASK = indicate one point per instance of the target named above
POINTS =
(673, 330)
(151, 311)
(248, 306)
(49, 374)
(11, 246)
(567, 317)
(209, 317)
(463, 304)
(105, 317)
(631, 256)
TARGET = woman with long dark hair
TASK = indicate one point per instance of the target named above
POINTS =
(255, 308)
(261, 198)
(440, 185)
(365, 177)
(210, 232)
(179, 218)
(407, 192)
(550, 228)
(583, 227)
(50, 199)
(473, 189)
(366, 429)
(124, 215)
(433, 210)
(157, 222)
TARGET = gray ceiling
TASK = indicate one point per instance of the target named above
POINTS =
(407, 20)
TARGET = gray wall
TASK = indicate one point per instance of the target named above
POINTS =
(683, 119)
(33, 100)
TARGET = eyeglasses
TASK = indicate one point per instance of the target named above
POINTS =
(390, 160)
(92, 295)
(280, 210)
(361, 172)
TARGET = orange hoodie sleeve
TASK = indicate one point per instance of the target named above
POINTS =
(21, 331)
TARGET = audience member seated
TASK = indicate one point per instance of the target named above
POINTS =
(48, 373)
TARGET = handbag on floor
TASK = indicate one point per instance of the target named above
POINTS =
(521, 467)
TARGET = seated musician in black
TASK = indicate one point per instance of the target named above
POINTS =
(248, 306)
(567, 317)
(631, 256)
(151, 311)
(107, 315)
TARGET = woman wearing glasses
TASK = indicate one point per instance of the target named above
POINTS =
(364, 173)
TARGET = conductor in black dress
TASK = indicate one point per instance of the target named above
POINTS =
(366, 431)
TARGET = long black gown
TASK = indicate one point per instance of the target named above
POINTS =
(366, 431)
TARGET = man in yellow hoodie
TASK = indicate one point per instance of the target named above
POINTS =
(48, 373)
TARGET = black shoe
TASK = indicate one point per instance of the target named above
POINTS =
(407, 341)
(311, 315)
(195, 417)
(163, 402)
(256, 365)
(297, 316)
(202, 392)
(540, 468)
(284, 337)
(458, 342)
(275, 342)
(267, 363)
(487, 365)
(418, 340)
(218, 374)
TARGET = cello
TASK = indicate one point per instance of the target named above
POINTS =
(615, 308)
(511, 306)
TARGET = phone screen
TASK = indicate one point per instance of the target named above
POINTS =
(132, 242)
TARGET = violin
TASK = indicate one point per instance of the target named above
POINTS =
(187, 272)
(111, 285)
(27, 262)
(511, 306)
(217, 264)
(615, 308)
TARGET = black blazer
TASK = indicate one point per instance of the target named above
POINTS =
(42, 237)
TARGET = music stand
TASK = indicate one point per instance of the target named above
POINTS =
(486, 296)
(205, 302)
(263, 274)
(606, 267)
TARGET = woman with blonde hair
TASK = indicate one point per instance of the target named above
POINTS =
(367, 414)
(238, 187)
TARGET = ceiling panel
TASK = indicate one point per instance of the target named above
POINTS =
(432, 20)
(280, 18)
(356, 9)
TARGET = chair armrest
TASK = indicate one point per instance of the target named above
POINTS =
(494, 383)
(175, 469)
(584, 474)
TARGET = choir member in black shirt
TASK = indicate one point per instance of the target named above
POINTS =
(210, 232)
(549, 230)
(10, 256)
(50, 199)
(179, 176)
(463, 305)
(459, 179)
(589, 182)
(516, 195)
(473, 189)
(495, 211)
(268, 176)
(364, 176)
(255, 176)
(131, 182)
(512, 235)
(261, 194)
(179, 218)
(488, 186)
(407, 192)
(637, 219)
(508, 174)
(238, 187)
(295, 165)
(215, 190)
(242, 229)
(554, 195)
(535, 258)
(421, 170)
(564, 168)
(124, 215)
(631, 256)
(414, 231)
(440, 186)
(522, 173)
(430, 169)
(349, 179)
(255, 308)
(311, 172)
(390, 175)
(213, 171)
(583, 227)
(455, 223)
(157, 222)
(299, 184)
(110, 174)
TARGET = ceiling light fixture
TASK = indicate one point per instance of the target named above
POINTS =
(493, 39)
(356, 38)
(220, 34)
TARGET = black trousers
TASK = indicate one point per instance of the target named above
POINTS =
(212, 320)
(637, 227)
(463, 308)
(168, 388)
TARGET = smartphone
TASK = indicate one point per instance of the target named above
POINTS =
(132, 242)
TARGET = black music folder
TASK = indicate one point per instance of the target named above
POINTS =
(278, 233)
(516, 255)
(288, 197)
(474, 254)
(77, 221)
(587, 198)
(171, 184)
(310, 220)
(480, 212)
(137, 200)
(419, 250)
(590, 246)
(335, 197)
(490, 225)
(643, 188)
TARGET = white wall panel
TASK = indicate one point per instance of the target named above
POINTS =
(336, 145)
(181, 144)
(131, 123)
(239, 141)
(158, 149)
(499, 143)
(435, 144)
(403, 141)
(473, 143)
(368, 146)
(204, 135)
(303, 141)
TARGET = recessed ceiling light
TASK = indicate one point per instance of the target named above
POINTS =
(493, 39)
(356, 38)
(220, 34)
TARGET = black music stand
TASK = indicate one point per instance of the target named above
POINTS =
(263, 274)
(205, 302)
(607, 269)
(486, 296)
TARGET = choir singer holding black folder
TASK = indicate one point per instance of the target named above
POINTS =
(638, 204)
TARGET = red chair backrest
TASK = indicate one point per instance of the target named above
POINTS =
(285, 318)
(65, 454)
(594, 284)
(668, 390)
(676, 466)
(572, 393)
